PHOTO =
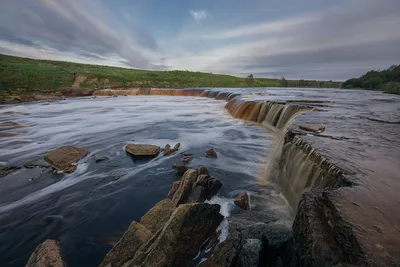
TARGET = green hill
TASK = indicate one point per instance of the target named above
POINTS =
(386, 80)
(27, 75)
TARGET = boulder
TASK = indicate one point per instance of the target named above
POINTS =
(127, 246)
(142, 150)
(223, 256)
(64, 158)
(203, 170)
(204, 188)
(155, 218)
(185, 187)
(242, 201)
(181, 238)
(46, 254)
(168, 150)
(174, 188)
(316, 128)
(180, 168)
(211, 153)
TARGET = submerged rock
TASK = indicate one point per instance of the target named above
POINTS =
(242, 201)
(127, 246)
(7, 170)
(155, 218)
(181, 238)
(46, 254)
(64, 158)
(180, 168)
(183, 192)
(37, 164)
(187, 159)
(10, 134)
(316, 128)
(211, 153)
(12, 124)
(142, 150)
(98, 159)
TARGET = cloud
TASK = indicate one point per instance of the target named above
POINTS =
(198, 15)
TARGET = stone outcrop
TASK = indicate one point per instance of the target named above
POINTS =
(211, 153)
(174, 188)
(155, 218)
(204, 188)
(142, 150)
(185, 187)
(203, 171)
(168, 150)
(63, 158)
(46, 254)
(181, 238)
(127, 246)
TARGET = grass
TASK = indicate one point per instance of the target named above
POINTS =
(23, 76)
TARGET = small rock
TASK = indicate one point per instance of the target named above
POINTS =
(142, 150)
(242, 201)
(7, 170)
(127, 246)
(39, 163)
(180, 168)
(46, 254)
(99, 159)
(211, 153)
(316, 128)
(168, 150)
(203, 171)
(63, 159)
(10, 134)
(187, 159)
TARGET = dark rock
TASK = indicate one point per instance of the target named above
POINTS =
(127, 246)
(211, 153)
(181, 238)
(183, 192)
(46, 254)
(155, 218)
(250, 253)
(142, 150)
(204, 188)
(7, 170)
(278, 246)
(242, 201)
(223, 256)
(64, 158)
(180, 168)
(98, 159)
(316, 128)
(39, 163)
(187, 159)
(174, 188)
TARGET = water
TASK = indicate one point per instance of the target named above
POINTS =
(88, 210)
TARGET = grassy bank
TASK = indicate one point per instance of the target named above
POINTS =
(387, 80)
(24, 76)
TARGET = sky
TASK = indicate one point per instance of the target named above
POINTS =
(308, 39)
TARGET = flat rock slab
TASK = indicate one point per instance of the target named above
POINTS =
(64, 158)
(142, 150)
(312, 127)
(46, 254)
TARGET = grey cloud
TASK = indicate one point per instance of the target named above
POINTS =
(72, 26)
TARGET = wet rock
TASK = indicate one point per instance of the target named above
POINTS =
(277, 246)
(242, 201)
(181, 238)
(12, 124)
(316, 128)
(180, 168)
(183, 192)
(64, 158)
(211, 153)
(10, 134)
(204, 189)
(7, 170)
(37, 164)
(250, 253)
(13, 113)
(127, 246)
(46, 254)
(142, 150)
(155, 218)
(203, 171)
(98, 159)
(187, 159)
(174, 188)
(168, 150)
(223, 256)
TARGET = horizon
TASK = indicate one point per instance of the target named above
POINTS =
(312, 40)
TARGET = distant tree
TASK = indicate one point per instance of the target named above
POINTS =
(250, 81)
(283, 82)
